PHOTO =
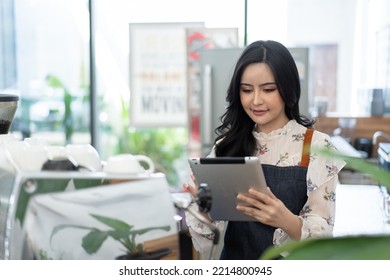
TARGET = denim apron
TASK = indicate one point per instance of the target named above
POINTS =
(248, 240)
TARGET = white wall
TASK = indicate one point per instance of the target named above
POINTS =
(313, 22)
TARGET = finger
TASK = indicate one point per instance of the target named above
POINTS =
(188, 188)
(260, 197)
(258, 194)
(194, 180)
(250, 201)
(250, 211)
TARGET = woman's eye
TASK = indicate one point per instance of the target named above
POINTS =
(269, 89)
(246, 90)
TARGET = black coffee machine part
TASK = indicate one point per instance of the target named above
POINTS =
(60, 164)
(203, 198)
(364, 145)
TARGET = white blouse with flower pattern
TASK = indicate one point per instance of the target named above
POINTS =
(283, 147)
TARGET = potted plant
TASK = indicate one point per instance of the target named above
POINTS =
(341, 248)
(120, 231)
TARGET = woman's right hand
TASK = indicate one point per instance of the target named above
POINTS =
(192, 189)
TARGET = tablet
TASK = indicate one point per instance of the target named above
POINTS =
(225, 178)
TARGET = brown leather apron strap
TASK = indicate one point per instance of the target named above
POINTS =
(306, 147)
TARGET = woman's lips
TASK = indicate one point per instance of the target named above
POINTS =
(259, 112)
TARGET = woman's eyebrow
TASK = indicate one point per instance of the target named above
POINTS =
(261, 85)
(245, 84)
(267, 84)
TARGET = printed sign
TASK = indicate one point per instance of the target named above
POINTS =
(158, 80)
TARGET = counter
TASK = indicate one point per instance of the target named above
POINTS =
(360, 210)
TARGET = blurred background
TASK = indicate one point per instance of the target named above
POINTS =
(75, 65)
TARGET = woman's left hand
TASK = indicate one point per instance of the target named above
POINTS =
(265, 208)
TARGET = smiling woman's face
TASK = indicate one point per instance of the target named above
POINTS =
(260, 98)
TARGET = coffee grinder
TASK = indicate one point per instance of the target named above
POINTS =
(8, 106)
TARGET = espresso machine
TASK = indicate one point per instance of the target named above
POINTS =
(76, 213)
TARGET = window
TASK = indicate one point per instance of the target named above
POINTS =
(44, 57)
(47, 52)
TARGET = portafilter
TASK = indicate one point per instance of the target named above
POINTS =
(8, 106)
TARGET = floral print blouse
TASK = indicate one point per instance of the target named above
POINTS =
(283, 147)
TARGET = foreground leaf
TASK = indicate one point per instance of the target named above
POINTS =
(340, 248)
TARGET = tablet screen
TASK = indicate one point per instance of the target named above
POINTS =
(226, 177)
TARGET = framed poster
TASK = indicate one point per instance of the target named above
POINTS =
(158, 74)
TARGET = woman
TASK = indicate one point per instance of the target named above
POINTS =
(263, 120)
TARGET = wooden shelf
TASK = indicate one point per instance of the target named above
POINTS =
(365, 127)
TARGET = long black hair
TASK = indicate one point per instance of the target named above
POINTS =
(234, 135)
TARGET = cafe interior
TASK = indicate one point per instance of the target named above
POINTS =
(102, 103)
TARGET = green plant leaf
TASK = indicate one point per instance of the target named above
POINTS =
(341, 248)
(44, 186)
(119, 234)
(122, 232)
(54, 82)
(113, 223)
(276, 252)
(93, 241)
(58, 228)
(86, 183)
(145, 230)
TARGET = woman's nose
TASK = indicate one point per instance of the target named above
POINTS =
(257, 98)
